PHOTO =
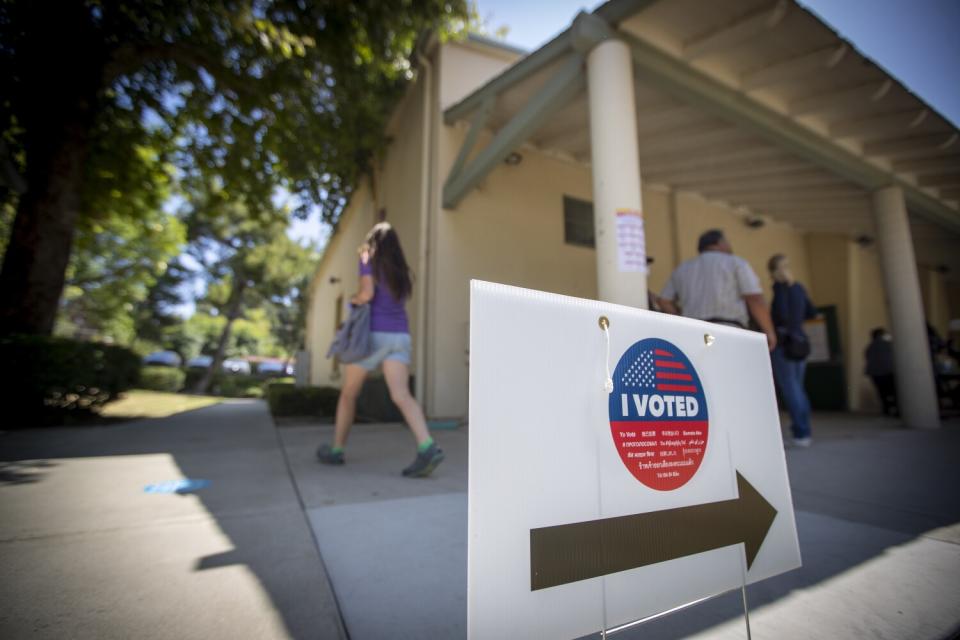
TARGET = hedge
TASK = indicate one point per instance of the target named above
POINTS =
(235, 385)
(229, 385)
(157, 378)
(373, 403)
(45, 378)
(285, 399)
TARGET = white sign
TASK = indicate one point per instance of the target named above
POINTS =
(590, 509)
(631, 242)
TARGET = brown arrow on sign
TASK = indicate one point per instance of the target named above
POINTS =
(570, 552)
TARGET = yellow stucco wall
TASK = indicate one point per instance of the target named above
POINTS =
(466, 66)
(834, 275)
(510, 230)
(953, 302)
(848, 276)
(936, 300)
(872, 301)
(695, 215)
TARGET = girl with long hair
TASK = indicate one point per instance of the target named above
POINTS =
(385, 284)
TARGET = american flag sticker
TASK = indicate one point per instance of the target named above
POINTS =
(658, 414)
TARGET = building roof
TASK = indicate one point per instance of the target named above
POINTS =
(754, 103)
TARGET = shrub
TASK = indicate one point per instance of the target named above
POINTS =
(374, 403)
(45, 378)
(232, 385)
(229, 385)
(285, 399)
(161, 378)
(192, 377)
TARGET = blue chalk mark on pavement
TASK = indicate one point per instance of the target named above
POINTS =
(177, 486)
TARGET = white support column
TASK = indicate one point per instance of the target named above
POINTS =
(616, 166)
(916, 393)
(854, 341)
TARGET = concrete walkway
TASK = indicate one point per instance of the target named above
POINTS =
(86, 553)
(878, 513)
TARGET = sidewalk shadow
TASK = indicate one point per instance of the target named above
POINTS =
(23, 471)
(250, 497)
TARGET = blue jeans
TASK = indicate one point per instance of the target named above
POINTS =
(789, 377)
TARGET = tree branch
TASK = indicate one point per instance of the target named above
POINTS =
(8, 171)
(131, 57)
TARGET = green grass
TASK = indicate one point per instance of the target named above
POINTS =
(138, 404)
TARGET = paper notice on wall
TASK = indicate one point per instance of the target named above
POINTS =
(631, 242)
(816, 330)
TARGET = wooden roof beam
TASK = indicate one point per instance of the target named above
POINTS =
(818, 215)
(809, 195)
(701, 137)
(870, 124)
(932, 143)
(737, 32)
(870, 92)
(814, 212)
(936, 164)
(791, 173)
(797, 172)
(828, 204)
(841, 228)
(942, 180)
(744, 155)
(763, 189)
(667, 117)
(794, 68)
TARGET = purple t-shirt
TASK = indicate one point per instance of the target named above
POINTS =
(386, 312)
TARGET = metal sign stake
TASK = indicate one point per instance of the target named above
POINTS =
(605, 633)
(746, 611)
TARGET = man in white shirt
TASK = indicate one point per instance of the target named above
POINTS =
(718, 286)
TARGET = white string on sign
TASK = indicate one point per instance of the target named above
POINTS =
(605, 326)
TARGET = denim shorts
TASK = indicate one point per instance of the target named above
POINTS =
(386, 345)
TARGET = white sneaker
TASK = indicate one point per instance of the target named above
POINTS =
(802, 442)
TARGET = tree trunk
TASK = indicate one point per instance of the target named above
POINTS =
(234, 307)
(56, 101)
(35, 264)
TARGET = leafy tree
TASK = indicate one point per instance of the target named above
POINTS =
(248, 259)
(118, 255)
(7, 212)
(253, 335)
(156, 320)
(254, 94)
(289, 313)
(200, 335)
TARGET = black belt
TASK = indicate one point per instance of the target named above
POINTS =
(733, 323)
